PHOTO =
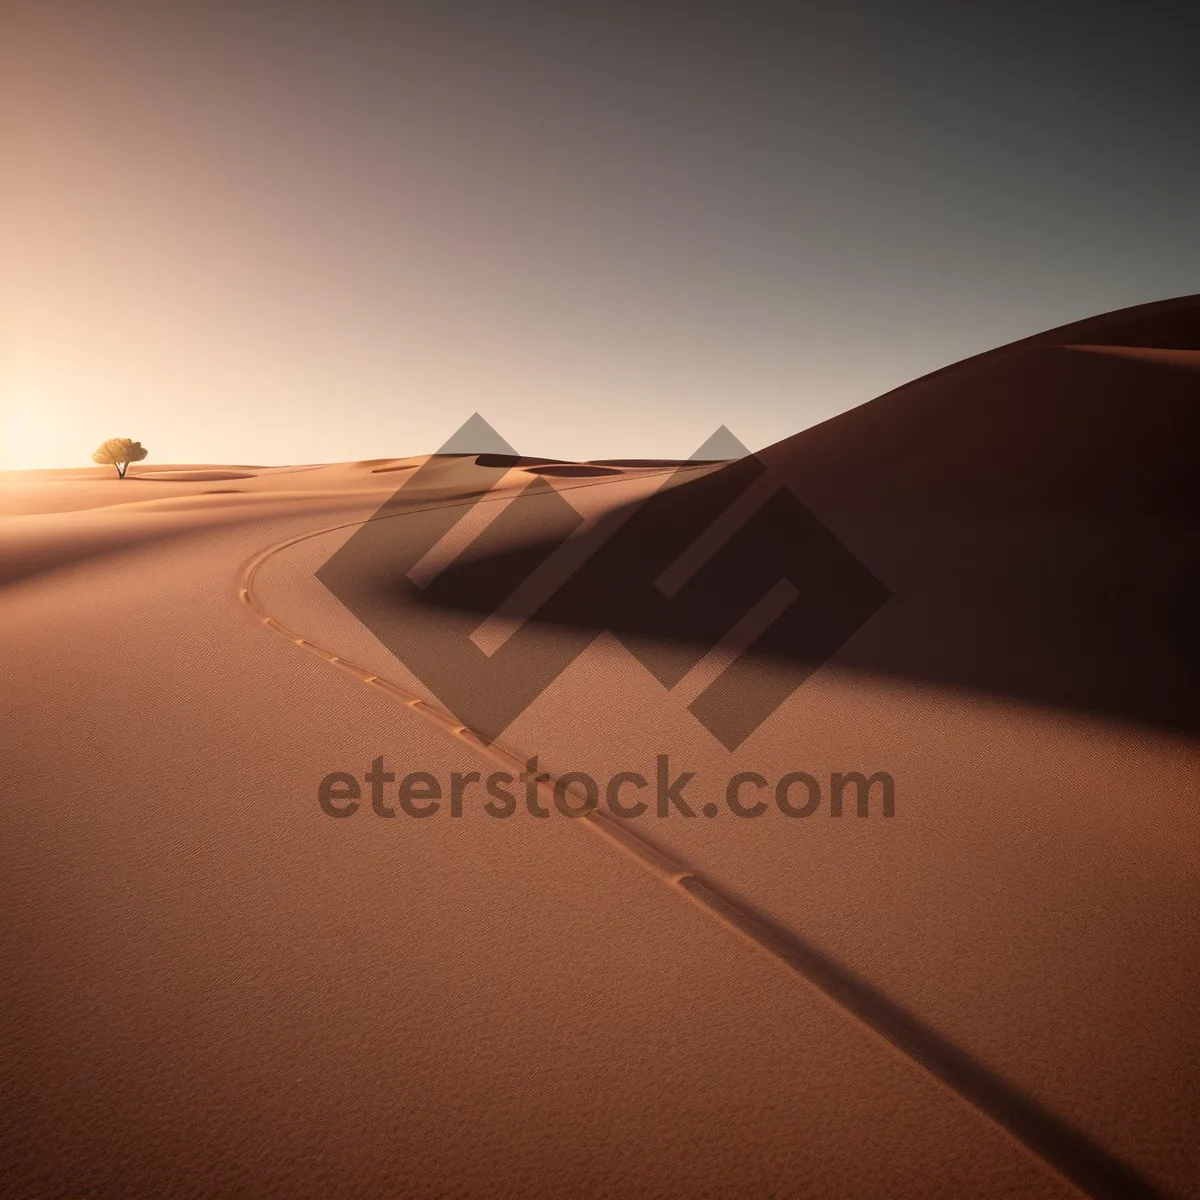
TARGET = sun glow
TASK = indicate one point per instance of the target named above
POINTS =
(32, 433)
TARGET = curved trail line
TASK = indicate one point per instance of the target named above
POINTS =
(1081, 1164)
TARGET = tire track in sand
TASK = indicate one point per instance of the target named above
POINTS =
(1077, 1161)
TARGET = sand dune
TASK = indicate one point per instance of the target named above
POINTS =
(1039, 555)
(55, 518)
(1032, 513)
(1035, 513)
(218, 989)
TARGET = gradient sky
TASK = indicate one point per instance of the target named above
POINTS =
(299, 232)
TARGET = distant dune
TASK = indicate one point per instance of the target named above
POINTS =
(56, 518)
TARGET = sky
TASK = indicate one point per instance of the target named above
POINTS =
(310, 232)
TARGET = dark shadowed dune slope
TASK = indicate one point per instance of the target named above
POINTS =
(1035, 512)
(1025, 523)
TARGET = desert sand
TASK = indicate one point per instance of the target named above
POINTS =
(213, 988)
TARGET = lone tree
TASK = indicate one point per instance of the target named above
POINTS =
(119, 453)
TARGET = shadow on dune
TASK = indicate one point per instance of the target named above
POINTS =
(1088, 1165)
(188, 476)
(572, 470)
(642, 462)
(1024, 524)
